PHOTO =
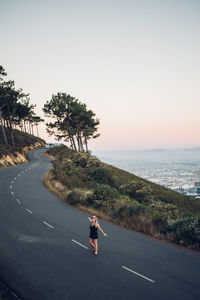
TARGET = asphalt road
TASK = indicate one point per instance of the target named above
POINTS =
(44, 251)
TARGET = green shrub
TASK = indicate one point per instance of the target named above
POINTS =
(73, 198)
(186, 231)
(130, 211)
(159, 223)
(103, 196)
(101, 175)
(138, 190)
(60, 152)
(166, 210)
(85, 160)
(165, 197)
(80, 159)
(70, 176)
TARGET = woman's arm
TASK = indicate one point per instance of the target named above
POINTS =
(102, 231)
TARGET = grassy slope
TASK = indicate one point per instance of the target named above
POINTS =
(21, 140)
(124, 198)
(185, 204)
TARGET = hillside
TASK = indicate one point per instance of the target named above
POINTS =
(121, 197)
(23, 142)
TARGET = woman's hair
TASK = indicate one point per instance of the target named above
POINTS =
(97, 224)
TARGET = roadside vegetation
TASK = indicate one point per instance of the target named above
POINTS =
(18, 123)
(22, 140)
(82, 180)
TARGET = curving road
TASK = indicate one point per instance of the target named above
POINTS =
(44, 252)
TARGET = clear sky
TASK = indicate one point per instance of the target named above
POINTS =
(135, 63)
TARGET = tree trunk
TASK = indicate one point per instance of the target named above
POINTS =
(73, 141)
(3, 129)
(86, 144)
(77, 138)
(81, 143)
(10, 128)
(24, 126)
(4, 123)
(37, 130)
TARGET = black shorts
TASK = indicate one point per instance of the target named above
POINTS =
(94, 236)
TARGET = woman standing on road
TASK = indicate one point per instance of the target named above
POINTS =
(93, 239)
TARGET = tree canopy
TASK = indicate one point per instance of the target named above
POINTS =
(15, 109)
(71, 121)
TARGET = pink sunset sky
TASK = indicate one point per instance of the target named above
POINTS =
(136, 64)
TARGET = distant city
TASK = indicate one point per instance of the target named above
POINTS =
(178, 169)
(180, 177)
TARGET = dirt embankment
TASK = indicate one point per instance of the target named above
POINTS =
(16, 158)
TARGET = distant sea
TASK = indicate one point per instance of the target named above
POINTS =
(178, 169)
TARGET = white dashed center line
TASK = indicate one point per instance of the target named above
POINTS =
(19, 174)
(10, 186)
(12, 193)
(79, 244)
(29, 211)
(47, 224)
(18, 201)
(138, 274)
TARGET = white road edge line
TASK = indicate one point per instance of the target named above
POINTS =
(18, 201)
(138, 274)
(79, 244)
(47, 224)
(12, 193)
(29, 211)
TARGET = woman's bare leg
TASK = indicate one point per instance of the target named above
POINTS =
(95, 246)
(91, 243)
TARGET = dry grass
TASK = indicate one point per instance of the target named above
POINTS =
(55, 186)
(60, 190)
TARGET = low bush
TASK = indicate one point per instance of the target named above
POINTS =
(85, 160)
(73, 197)
(70, 176)
(103, 196)
(186, 231)
(138, 190)
(101, 175)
